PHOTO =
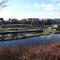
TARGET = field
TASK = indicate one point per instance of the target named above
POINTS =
(42, 52)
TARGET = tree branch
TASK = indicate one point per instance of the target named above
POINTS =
(3, 3)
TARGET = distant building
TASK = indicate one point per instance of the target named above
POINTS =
(55, 26)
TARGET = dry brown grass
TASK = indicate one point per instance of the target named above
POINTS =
(47, 52)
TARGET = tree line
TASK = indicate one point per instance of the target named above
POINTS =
(36, 21)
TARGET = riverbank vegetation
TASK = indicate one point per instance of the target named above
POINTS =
(25, 33)
(31, 27)
(42, 52)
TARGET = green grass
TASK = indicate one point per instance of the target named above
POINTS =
(45, 32)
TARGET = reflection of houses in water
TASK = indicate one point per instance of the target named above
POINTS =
(17, 35)
(7, 37)
(11, 36)
(3, 37)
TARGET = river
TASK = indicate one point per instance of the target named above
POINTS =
(31, 41)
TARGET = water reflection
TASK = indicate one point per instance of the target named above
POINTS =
(31, 41)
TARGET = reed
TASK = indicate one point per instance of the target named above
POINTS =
(42, 52)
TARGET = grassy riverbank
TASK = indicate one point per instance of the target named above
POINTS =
(42, 52)
(33, 33)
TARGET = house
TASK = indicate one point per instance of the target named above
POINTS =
(55, 26)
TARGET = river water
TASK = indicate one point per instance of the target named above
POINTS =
(31, 41)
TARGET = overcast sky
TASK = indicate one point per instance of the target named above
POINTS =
(31, 9)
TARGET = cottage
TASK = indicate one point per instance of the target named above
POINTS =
(54, 26)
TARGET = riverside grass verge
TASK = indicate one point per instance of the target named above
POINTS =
(41, 52)
(23, 36)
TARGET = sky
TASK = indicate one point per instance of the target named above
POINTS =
(21, 9)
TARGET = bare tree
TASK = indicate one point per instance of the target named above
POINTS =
(3, 3)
